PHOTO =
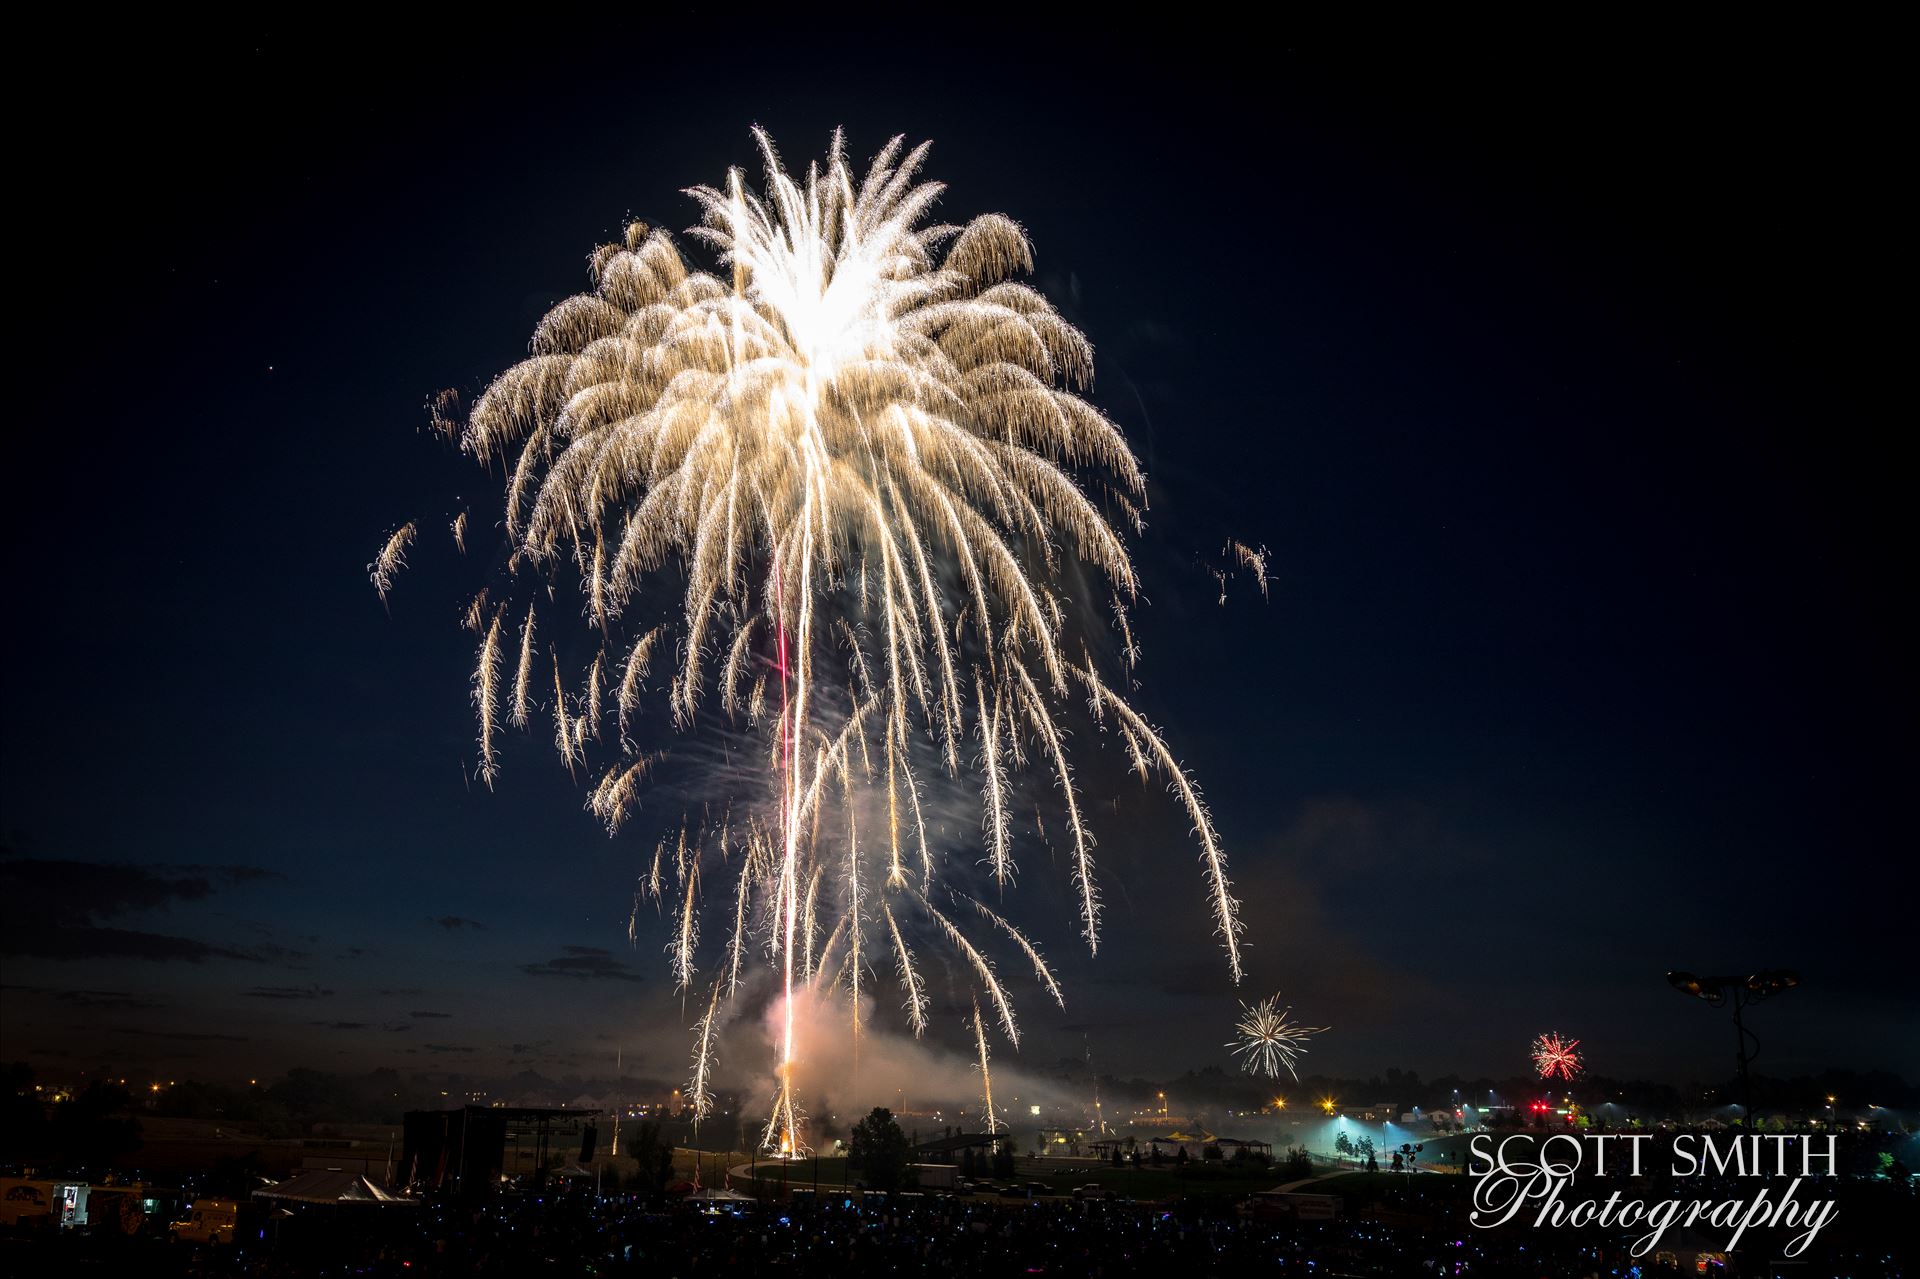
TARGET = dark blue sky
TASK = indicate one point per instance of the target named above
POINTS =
(1556, 372)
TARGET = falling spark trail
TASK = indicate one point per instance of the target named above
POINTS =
(1253, 561)
(983, 970)
(916, 999)
(699, 1094)
(996, 812)
(563, 736)
(986, 1075)
(686, 937)
(1226, 909)
(1040, 969)
(1082, 859)
(737, 943)
(485, 676)
(476, 610)
(391, 559)
(523, 673)
(638, 662)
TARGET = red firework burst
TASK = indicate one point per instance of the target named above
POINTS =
(1555, 1058)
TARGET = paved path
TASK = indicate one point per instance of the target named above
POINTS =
(1293, 1186)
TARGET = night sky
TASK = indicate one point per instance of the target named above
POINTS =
(1555, 372)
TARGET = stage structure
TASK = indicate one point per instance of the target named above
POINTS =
(475, 1147)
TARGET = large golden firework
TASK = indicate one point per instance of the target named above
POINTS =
(862, 450)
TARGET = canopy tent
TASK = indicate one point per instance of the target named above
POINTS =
(328, 1187)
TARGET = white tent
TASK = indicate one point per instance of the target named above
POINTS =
(331, 1187)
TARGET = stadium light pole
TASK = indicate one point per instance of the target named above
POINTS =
(1739, 991)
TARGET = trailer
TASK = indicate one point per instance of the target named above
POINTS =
(23, 1201)
(935, 1176)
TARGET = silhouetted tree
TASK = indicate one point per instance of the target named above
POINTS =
(879, 1150)
(653, 1154)
(236, 1177)
(93, 1128)
(23, 1119)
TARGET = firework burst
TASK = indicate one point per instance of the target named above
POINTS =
(1268, 1041)
(859, 455)
(1554, 1058)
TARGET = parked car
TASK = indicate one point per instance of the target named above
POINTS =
(1015, 1192)
(1092, 1190)
(212, 1221)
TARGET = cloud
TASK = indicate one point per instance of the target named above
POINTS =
(108, 999)
(286, 992)
(452, 922)
(447, 1048)
(58, 909)
(521, 1050)
(183, 1036)
(119, 999)
(280, 956)
(242, 874)
(583, 962)
(54, 941)
(423, 1012)
(340, 1025)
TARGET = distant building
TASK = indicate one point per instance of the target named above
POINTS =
(1072, 1142)
(948, 1149)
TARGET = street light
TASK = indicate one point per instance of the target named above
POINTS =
(1741, 991)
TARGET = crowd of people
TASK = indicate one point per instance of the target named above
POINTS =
(579, 1235)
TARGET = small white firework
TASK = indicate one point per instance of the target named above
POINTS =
(1268, 1041)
